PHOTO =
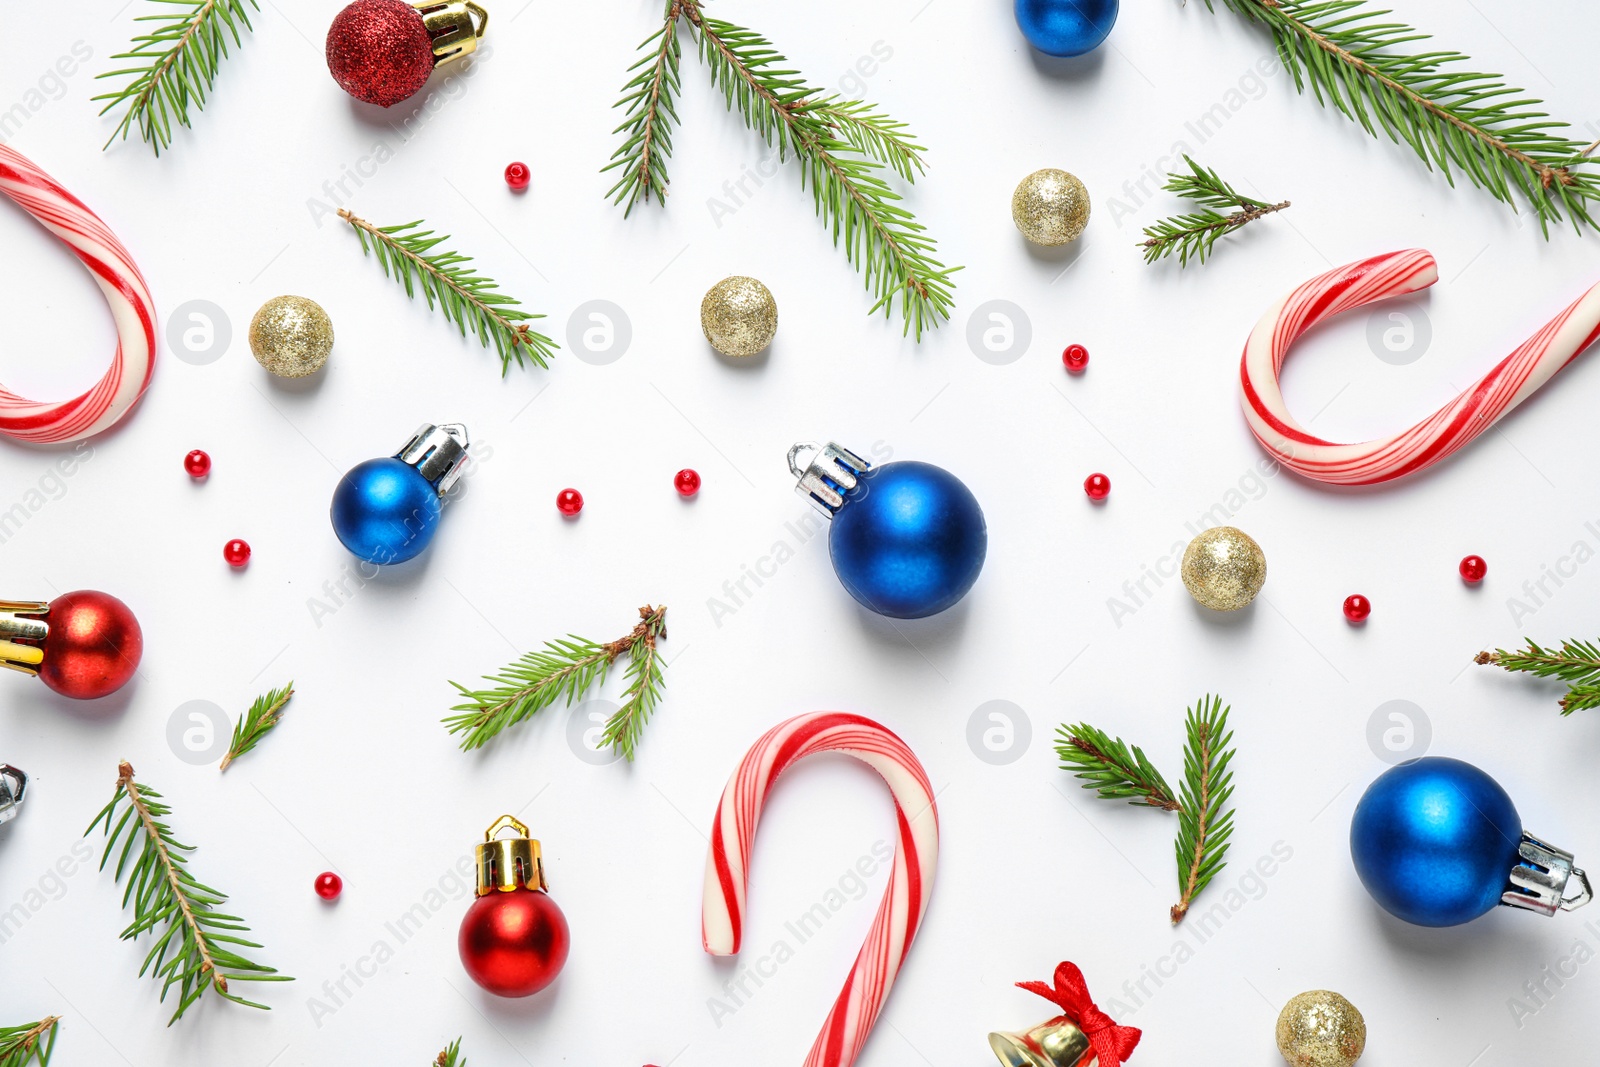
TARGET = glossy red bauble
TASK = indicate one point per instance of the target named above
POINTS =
(1474, 569)
(569, 502)
(1075, 358)
(94, 645)
(518, 176)
(197, 463)
(1097, 486)
(1357, 608)
(236, 552)
(379, 51)
(686, 482)
(329, 886)
(514, 944)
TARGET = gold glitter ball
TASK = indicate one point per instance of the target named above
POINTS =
(291, 336)
(1321, 1029)
(1050, 207)
(739, 316)
(1224, 568)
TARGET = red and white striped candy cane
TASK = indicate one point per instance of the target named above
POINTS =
(910, 885)
(125, 291)
(1512, 381)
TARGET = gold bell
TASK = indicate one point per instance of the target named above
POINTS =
(450, 25)
(1057, 1043)
(506, 864)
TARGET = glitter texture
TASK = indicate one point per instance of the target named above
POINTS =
(379, 51)
(1321, 1029)
(291, 336)
(739, 316)
(1224, 568)
(1050, 207)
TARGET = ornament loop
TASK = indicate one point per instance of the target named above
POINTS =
(1539, 881)
(13, 786)
(833, 471)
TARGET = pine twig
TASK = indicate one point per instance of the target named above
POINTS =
(1194, 235)
(264, 714)
(192, 939)
(1576, 662)
(30, 1043)
(1353, 57)
(450, 1057)
(177, 62)
(1111, 769)
(568, 668)
(649, 99)
(1205, 822)
(465, 297)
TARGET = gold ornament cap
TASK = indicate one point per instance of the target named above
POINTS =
(22, 633)
(506, 864)
(1224, 568)
(1050, 207)
(1057, 1043)
(450, 25)
(1321, 1029)
(739, 317)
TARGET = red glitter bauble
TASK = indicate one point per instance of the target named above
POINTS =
(93, 647)
(514, 944)
(379, 51)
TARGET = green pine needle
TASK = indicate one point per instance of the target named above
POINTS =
(450, 1057)
(467, 298)
(264, 714)
(1193, 235)
(1205, 822)
(1111, 769)
(648, 98)
(568, 668)
(194, 943)
(30, 1043)
(1575, 662)
(1355, 58)
(176, 66)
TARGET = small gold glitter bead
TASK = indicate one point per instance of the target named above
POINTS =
(291, 336)
(1321, 1029)
(739, 316)
(1224, 568)
(1050, 207)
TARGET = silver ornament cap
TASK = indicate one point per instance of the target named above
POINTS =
(833, 471)
(13, 786)
(1539, 881)
(439, 453)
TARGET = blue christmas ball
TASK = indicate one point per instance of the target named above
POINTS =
(909, 540)
(1435, 840)
(385, 511)
(1066, 27)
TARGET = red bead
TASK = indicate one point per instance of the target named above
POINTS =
(236, 552)
(518, 176)
(687, 482)
(514, 944)
(1357, 607)
(1076, 358)
(569, 502)
(329, 885)
(1473, 569)
(197, 463)
(94, 645)
(1098, 486)
(379, 51)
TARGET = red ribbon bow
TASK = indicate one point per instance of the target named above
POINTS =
(1110, 1043)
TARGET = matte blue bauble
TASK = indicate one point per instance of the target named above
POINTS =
(909, 540)
(1066, 27)
(1435, 840)
(385, 511)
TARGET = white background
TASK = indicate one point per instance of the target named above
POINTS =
(361, 778)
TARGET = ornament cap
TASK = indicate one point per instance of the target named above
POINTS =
(506, 864)
(13, 786)
(22, 624)
(450, 26)
(1539, 881)
(1057, 1043)
(834, 470)
(439, 453)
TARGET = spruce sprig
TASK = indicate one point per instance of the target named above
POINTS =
(1576, 662)
(467, 298)
(176, 66)
(1107, 765)
(1205, 821)
(1356, 58)
(568, 668)
(30, 1043)
(264, 714)
(1194, 234)
(193, 940)
(450, 1057)
(649, 99)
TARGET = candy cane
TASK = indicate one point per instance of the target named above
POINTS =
(910, 885)
(1513, 380)
(125, 291)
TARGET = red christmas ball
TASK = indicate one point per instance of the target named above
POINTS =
(379, 51)
(329, 885)
(93, 647)
(569, 502)
(514, 944)
(1357, 608)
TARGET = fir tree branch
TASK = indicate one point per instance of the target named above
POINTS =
(649, 99)
(192, 939)
(177, 63)
(872, 133)
(1205, 822)
(1351, 56)
(1576, 662)
(1195, 234)
(467, 298)
(568, 668)
(450, 1057)
(1106, 765)
(30, 1043)
(264, 714)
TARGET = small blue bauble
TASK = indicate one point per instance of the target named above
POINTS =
(384, 511)
(1066, 27)
(1435, 840)
(909, 540)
